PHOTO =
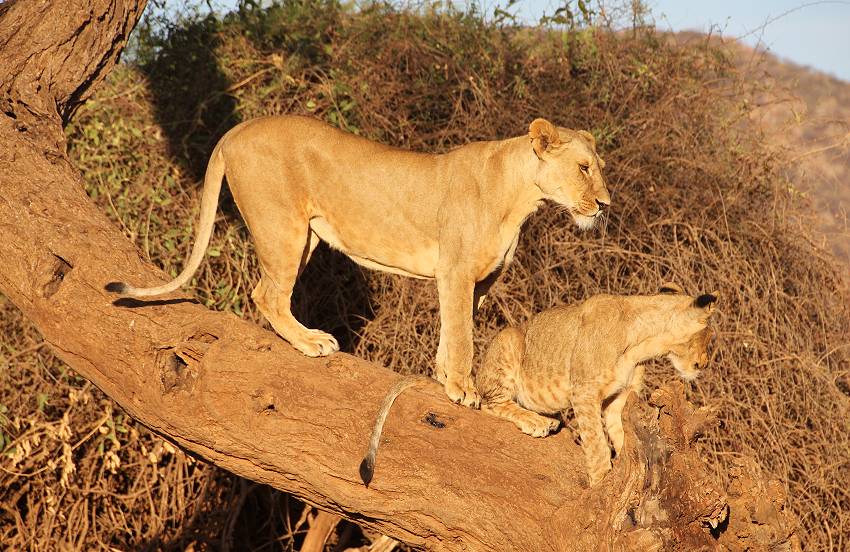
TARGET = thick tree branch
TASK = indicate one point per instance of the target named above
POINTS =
(53, 52)
(240, 397)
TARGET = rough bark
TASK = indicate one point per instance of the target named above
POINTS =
(235, 394)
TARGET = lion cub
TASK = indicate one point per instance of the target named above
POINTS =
(587, 356)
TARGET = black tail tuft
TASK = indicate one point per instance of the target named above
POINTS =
(116, 287)
(367, 469)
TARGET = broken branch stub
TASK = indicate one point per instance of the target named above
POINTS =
(661, 495)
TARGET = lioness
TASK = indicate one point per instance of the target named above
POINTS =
(587, 356)
(453, 217)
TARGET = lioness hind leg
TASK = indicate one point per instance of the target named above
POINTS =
(283, 250)
(312, 243)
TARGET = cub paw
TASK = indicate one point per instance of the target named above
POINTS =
(315, 343)
(539, 426)
(597, 473)
(463, 392)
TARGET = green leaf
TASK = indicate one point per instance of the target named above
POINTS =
(42, 399)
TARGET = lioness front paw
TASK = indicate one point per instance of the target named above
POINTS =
(463, 392)
(315, 343)
(440, 375)
(538, 426)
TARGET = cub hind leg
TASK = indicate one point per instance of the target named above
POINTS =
(496, 383)
(283, 248)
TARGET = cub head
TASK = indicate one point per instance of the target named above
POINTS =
(691, 336)
(569, 171)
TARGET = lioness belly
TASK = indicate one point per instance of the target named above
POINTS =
(379, 249)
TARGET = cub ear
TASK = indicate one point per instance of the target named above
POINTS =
(543, 136)
(706, 301)
(669, 288)
(589, 137)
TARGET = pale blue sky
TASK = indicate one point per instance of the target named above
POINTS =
(816, 34)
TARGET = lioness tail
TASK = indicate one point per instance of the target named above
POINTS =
(206, 220)
(367, 466)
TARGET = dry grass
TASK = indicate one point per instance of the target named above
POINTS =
(697, 198)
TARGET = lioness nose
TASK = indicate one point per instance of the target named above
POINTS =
(601, 205)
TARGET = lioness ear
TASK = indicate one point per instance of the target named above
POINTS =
(543, 135)
(589, 137)
(671, 289)
(706, 301)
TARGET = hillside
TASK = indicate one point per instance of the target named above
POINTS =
(812, 119)
(806, 113)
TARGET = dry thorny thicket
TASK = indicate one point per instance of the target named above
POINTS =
(697, 199)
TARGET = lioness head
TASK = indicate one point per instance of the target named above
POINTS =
(691, 342)
(569, 171)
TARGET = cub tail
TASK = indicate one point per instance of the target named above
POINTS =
(209, 204)
(367, 466)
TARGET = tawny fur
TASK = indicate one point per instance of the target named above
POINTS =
(586, 356)
(453, 217)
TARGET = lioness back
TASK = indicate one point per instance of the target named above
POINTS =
(336, 170)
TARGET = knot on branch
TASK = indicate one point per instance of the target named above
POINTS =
(56, 271)
(179, 366)
(677, 419)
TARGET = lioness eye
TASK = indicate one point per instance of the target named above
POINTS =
(584, 168)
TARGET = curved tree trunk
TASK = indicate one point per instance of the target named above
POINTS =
(235, 394)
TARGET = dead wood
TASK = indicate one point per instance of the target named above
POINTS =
(321, 527)
(238, 396)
